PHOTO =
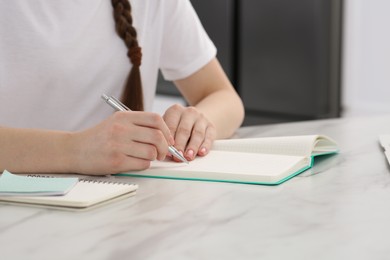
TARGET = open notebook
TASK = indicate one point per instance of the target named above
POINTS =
(85, 194)
(269, 161)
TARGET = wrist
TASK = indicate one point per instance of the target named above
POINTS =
(72, 153)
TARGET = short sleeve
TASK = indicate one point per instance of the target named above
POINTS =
(186, 47)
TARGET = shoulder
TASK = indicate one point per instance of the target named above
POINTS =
(165, 17)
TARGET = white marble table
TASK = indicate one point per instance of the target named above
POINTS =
(340, 209)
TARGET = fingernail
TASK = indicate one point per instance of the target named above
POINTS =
(203, 151)
(190, 154)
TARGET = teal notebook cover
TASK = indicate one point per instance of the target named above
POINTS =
(16, 185)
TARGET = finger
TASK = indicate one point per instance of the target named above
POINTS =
(196, 140)
(152, 142)
(118, 161)
(185, 127)
(172, 117)
(135, 164)
(129, 163)
(140, 150)
(152, 120)
(209, 138)
(125, 132)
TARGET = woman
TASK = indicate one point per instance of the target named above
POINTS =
(59, 57)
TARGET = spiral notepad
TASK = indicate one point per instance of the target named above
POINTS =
(84, 194)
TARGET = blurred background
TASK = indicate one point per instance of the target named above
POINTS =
(294, 60)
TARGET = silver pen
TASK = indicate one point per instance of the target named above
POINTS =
(119, 106)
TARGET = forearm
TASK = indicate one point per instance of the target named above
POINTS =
(30, 150)
(224, 109)
(211, 92)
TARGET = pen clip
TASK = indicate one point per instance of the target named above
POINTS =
(120, 103)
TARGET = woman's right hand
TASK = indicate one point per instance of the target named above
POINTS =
(125, 141)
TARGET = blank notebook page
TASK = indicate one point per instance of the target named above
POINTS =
(215, 161)
(288, 145)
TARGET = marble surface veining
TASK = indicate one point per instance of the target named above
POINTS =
(339, 209)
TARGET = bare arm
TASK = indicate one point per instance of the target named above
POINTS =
(31, 150)
(124, 141)
(217, 110)
(211, 92)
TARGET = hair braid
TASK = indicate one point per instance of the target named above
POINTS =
(132, 95)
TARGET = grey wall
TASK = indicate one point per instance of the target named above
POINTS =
(282, 56)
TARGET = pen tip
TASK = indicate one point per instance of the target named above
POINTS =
(183, 159)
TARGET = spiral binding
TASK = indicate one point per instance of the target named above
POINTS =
(105, 182)
(40, 176)
(83, 180)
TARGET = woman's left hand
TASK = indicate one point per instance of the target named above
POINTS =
(193, 133)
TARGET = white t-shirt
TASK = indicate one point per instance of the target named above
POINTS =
(58, 57)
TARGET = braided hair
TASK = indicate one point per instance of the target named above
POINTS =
(132, 95)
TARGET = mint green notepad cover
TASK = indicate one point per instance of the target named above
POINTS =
(16, 185)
